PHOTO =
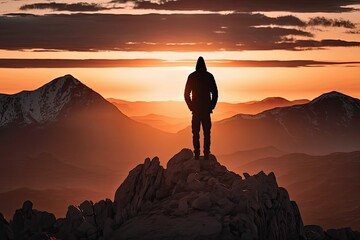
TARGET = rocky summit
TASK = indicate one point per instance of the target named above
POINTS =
(190, 199)
(200, 199)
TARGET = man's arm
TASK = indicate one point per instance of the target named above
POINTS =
(214, 93)
(188, 89)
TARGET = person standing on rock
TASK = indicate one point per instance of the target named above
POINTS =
(201, 96)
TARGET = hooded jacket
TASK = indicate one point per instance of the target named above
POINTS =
(201, 92)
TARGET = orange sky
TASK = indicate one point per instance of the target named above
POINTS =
(237, 82)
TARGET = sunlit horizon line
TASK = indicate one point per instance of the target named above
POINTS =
(330, 54)
(109, 98)
(162, 63)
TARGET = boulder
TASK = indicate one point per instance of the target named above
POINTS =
(343, 234)
(28, 222)
(139, 188)
(6, 232)
(202, 202)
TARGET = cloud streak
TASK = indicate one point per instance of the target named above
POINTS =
(115, 63)
(246, 5)
(328, 22)
(72, 7)
(158, 32)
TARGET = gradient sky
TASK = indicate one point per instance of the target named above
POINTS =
(144, 50)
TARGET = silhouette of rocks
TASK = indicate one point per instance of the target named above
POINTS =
(29, 223)
(200, 199)
(90, 221)
(314, 232)
(5, 231)
(190, 199)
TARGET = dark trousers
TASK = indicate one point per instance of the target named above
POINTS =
(205, 121)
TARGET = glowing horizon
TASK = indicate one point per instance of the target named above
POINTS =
(146, 51)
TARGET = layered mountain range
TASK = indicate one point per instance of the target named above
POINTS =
(65, 136)
(173, 116)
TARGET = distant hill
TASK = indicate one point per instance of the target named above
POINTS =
(239, 158)
(164, 123)
(45, 171)
(177, 113)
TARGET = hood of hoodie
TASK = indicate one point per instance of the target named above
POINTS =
(200, 65)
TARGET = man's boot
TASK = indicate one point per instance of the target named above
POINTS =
(196, 155)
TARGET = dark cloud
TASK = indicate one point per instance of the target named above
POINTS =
(325, 43)
(328, 22)
(247, 5)
(356, 31)
(114, 63)
(72, 7)
(157, 32)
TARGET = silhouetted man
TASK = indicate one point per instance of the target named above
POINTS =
(201, 96)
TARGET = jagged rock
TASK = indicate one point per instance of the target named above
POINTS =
(108, 228)
(40, 236)
(202, 202)
(203, 192)
(104, 211)
(89, 221)
(314, 232)
(199, 226)
(74, 217)
(343, 234)
(178, 168)
(5, 230)
(138, 189)
(86, 230)
(30, 223)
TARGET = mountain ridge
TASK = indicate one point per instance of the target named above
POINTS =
(332, 124)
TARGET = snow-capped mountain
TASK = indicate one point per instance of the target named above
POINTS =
(329, 110)
(336, 107)
(44, 104)
(330, 122)
(71, 121)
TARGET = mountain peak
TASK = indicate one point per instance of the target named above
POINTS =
(333, 95)
(43, 104)
(68, 79)
(275, 99)
(64, 83)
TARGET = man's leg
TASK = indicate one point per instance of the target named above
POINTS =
(195, 125)
(206, 124)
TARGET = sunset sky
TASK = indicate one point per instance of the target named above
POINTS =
(145, 49)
